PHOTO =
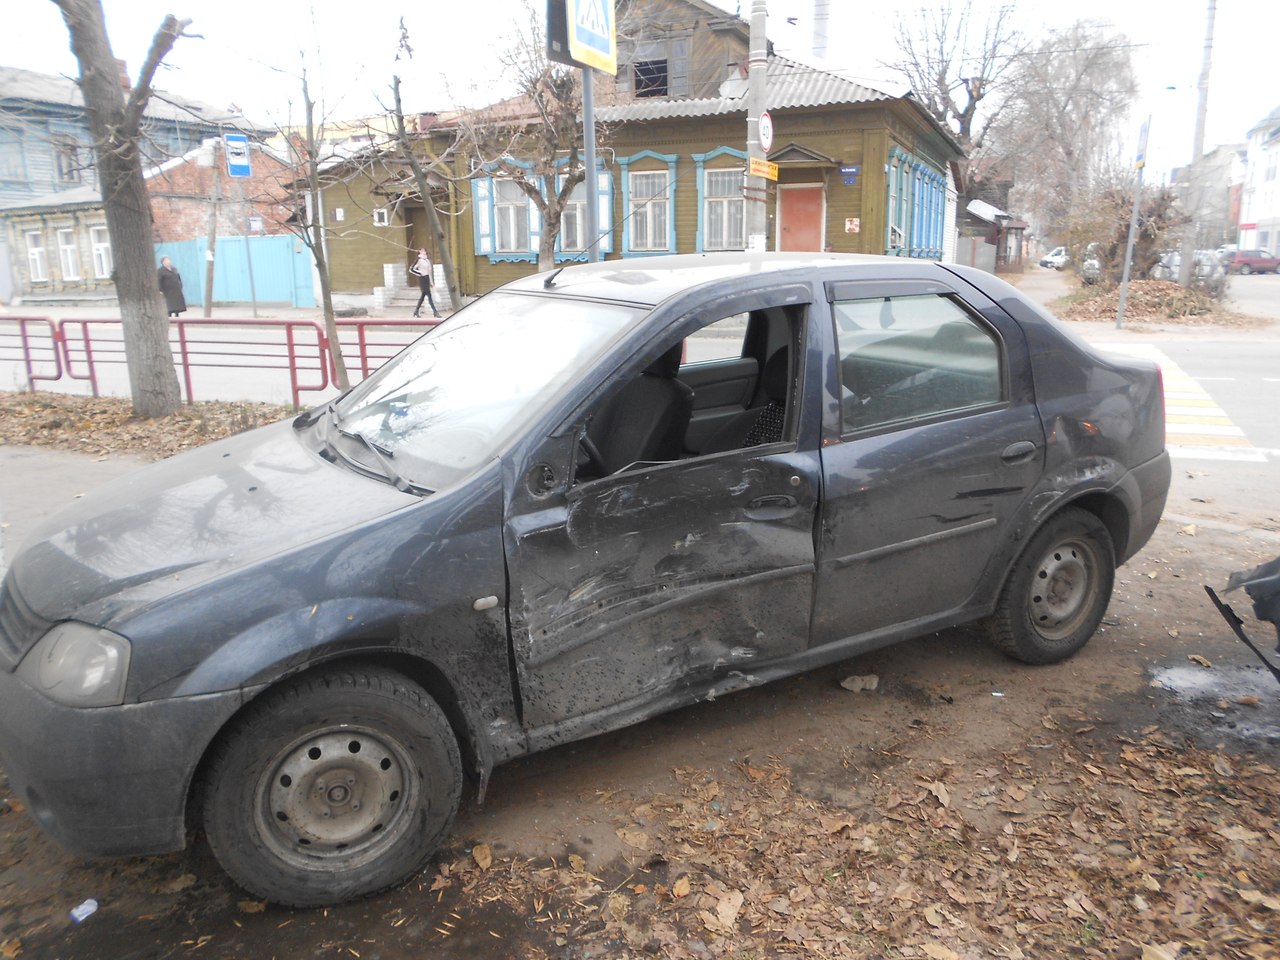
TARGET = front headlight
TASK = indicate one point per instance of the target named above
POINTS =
(78, 665)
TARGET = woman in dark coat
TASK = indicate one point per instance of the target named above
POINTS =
(171, 286)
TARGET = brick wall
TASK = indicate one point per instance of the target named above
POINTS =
(180, 199)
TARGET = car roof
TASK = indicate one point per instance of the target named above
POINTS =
(651, 280)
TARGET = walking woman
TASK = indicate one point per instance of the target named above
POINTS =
(422, 270)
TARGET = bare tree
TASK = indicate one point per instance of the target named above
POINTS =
(405, 148)
(1058, 137)
(115, 122)
(956, 69)
(534, 139)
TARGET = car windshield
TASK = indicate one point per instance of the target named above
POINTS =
(453, 399)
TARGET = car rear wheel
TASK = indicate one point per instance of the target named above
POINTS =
(1245, 269)
(332, 787)
(1058, 590)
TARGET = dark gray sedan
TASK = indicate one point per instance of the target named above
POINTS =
(589, 497)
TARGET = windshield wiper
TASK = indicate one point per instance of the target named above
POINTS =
(383, 456)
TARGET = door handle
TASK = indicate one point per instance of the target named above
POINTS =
(776, 501)
(1019, 452)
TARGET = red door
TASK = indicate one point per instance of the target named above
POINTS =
(802, 217)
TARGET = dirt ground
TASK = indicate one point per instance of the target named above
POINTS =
(1121, 804)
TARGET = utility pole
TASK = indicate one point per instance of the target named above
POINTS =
(215, 197)
(590, 185)
(756, 191)
(1133, 222)
(1195, 185)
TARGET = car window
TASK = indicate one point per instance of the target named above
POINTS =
(722, 340)
(906, 358)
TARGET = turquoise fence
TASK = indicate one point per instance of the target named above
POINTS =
(281, 270)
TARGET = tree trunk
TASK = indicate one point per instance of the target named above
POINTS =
(424, 190)
(153, 381)
(316, 243)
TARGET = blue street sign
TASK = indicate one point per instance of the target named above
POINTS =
(237, 147)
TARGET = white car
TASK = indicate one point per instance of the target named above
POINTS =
(1057, 258)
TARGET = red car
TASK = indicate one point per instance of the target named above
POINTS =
(1253, 261)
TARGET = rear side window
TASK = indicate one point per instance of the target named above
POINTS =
(908, 358)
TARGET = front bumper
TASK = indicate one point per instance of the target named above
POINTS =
(110, 781)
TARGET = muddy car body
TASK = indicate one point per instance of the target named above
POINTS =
(538, 524)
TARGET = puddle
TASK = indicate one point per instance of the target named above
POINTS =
(1214, 694)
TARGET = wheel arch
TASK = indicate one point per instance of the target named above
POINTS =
(477, 754)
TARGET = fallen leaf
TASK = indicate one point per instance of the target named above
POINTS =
(634, 838)
(680, 888)
(939, 952)
(1189, 530)
(1152, 952)
(251, 906)
(856, 684)
(1258, 897)
(1247, 701)
(178, 884)
(939, 790)
(11, 948)
(576, 863)
(728, 907)
(1196, 658)
(482, 855)
(1243, 834)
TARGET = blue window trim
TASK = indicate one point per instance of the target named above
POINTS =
(625, 163)
(919, 205)
(700, 170)
(604, 197)
(483, 195)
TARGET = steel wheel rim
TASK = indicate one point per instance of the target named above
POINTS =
(1064, 586)
(339, 793)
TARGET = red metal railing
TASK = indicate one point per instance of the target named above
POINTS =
(78, 348)
(300, 347)
(376, 341)
(36, 342)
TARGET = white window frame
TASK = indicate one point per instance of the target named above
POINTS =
(37, 257)
(574, 218)
(381, 217)
(104, 263)
(68, 254)
(66, 162)
(510, 217)
(726, 202)
(651, 212)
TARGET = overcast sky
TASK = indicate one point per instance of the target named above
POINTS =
(252, 51)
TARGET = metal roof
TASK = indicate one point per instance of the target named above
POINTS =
(788, 84)
(27, 86)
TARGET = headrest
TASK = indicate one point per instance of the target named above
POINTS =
(777, 376)
(667, 365)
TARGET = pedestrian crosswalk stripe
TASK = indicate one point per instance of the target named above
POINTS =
(1196, 428)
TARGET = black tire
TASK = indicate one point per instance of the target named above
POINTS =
(1245, 270)
(334, 786)
(1057, 591)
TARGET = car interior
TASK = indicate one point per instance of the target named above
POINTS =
(672, 410)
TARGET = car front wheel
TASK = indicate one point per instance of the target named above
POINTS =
(1058, 590)
(332, 787)
(1245, 270)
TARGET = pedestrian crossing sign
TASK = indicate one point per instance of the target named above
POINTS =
(593, 41)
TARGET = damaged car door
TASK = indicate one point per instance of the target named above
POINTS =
(633, 591)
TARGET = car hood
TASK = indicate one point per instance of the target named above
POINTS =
(175, 524)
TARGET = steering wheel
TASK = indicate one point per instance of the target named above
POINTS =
(594, 457)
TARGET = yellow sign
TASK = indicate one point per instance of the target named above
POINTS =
(762, 168)
(592, 39)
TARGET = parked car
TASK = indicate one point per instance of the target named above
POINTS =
(1209, 274)
(1057, 258)
(1253, 261)
(537, 524)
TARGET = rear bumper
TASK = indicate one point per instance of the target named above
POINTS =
(112, 780)
(1149, 489)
